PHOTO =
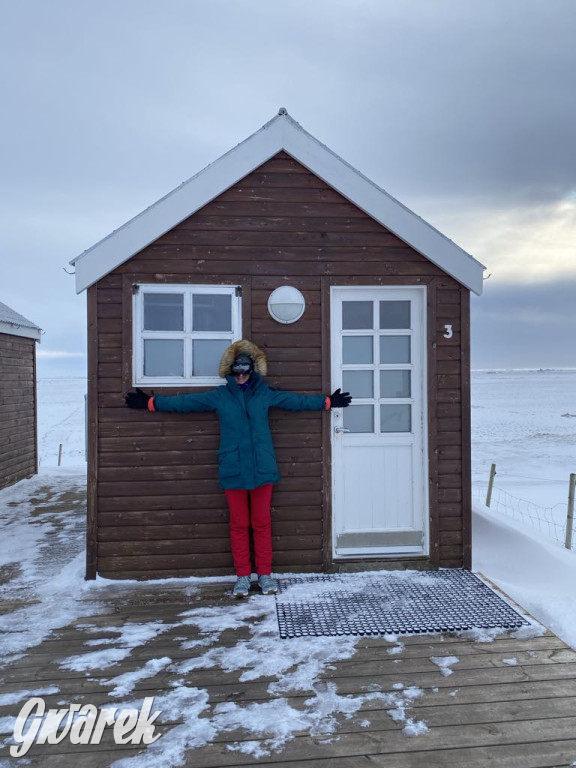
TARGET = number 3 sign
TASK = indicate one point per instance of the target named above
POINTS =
(448, 334)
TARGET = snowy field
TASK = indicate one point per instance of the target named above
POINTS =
(525, 422)
(61, 420)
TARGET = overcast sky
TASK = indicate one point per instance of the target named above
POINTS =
(465, 112)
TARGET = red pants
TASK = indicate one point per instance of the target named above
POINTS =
(255, 514)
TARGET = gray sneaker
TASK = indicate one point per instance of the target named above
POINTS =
(267, 585)
(242, 587)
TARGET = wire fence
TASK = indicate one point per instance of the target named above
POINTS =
(551, 521)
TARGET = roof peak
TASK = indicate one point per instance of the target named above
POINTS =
(281, 133)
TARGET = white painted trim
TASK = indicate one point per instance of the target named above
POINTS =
(21, 330)
(421, 494)
(282, 133)
(138, 378)
(380, 554)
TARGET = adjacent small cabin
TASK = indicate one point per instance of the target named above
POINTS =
(282, 242)
(18, 404)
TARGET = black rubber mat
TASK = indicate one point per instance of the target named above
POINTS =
(390, 602)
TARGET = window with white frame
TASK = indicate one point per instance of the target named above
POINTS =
(181, 332)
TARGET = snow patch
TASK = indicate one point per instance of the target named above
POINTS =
(124, 684)
(396, 649)
(444, 663)
(13, 698)
(130, 636)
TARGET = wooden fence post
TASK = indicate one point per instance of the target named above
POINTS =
(570, 516)
(490, 484)
(60, 454)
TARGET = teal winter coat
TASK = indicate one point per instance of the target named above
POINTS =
(246, 457)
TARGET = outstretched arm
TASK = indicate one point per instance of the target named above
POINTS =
(292, 401)
(194, 402)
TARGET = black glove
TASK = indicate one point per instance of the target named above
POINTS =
(138, 399)
(340, 399)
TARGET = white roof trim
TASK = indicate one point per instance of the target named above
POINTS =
(281, 133)
(20, 330)
(15, 324)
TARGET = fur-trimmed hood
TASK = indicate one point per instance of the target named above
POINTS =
(248, 348)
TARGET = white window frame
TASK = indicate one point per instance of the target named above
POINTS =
(139, 335)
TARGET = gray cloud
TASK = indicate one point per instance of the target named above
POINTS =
(108, 106)
(524, 326)
(431, 98)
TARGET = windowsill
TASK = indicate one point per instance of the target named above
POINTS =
(207, 381)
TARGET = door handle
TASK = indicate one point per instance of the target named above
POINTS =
(341, 429)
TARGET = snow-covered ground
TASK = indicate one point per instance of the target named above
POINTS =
(525, 423)
(61, 420)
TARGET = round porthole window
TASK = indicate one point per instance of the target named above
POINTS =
(286, 304)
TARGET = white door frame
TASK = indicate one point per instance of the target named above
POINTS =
(420, 487)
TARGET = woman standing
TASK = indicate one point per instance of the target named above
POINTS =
(247, 466)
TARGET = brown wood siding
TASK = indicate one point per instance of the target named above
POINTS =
(160, 511)
(18, 444)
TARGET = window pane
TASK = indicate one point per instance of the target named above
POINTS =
(359, 418)
(357, 314)
(163, 357)
(206, 356)
(395, 418)
(357, 349)
(394, 383)
(394, 314)
(212, 312)
(163, 312)
(394, 349)
(358, 383)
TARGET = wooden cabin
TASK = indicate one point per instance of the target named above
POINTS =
(18, 404)
(374, 300)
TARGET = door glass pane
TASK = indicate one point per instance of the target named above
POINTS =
(163, 312)
(394, 383)
(395, 314)
(212, 312)
(357, 349)
(206, 354)
(394, 349)
(358, 383)
(359, 418)
(163, 357)
(357, 314)
(395, 418)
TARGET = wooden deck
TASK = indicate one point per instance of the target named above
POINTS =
(486, 713)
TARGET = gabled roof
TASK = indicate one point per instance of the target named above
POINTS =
(16, 324)
(282, 133)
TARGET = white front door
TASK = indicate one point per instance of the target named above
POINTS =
(379, 442)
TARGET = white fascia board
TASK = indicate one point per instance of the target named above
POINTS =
(385, 209)
(176, 206)
(281, 133)
(21, 330)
